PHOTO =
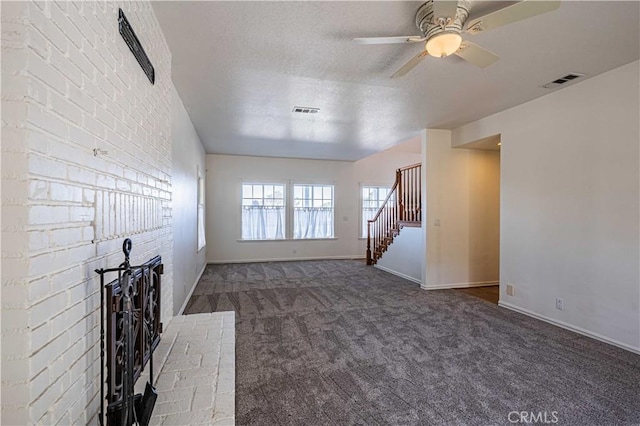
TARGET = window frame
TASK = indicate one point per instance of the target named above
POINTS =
(201, 213)
(285, 205)
(333, 208)
(289, 206)
(363, 185)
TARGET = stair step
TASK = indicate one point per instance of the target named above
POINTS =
(410, 223)
(405, 189)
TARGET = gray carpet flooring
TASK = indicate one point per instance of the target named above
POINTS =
(341, 343)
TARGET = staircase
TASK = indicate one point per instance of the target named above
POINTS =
(402, 207)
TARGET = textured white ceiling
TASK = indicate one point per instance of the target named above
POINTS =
(240, 68)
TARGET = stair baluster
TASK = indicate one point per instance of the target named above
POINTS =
(402, 207)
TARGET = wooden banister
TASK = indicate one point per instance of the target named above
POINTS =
(402, 207)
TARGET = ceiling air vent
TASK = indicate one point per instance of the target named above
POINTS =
(306, 110)
(563, 80)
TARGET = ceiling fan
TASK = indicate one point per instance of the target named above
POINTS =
(442, 23)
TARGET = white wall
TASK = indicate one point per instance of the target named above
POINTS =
(71, 85)
(463, 214)
(188, 163)
(226, 173)
(405, 257)
(570, 205)
(380, 169)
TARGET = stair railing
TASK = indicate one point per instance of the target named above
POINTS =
(402, 207)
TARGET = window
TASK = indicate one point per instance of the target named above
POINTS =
(312, 211)
(263, 211)
(266, 211)
(201, 232)
(372, 199)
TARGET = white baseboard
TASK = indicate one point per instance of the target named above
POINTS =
(569, 327)
(286, 259)
(193, 287)
(459, 285)
(399, 274)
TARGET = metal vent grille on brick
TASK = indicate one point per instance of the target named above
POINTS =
(136, 48)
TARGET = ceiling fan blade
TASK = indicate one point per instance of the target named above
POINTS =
(476, 55)
(389, 40)
(411, 64)
(517, 12)
(445, 8)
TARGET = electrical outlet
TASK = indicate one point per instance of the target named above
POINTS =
(560, 304)
(510, 290)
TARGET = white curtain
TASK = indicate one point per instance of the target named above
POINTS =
(313, 222)
(367, 214)
(262, 223)
(201, 233)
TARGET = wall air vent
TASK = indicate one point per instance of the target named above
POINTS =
(305, 110)
(136, 48)
(563, 80)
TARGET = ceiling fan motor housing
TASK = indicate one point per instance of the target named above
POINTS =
(430, 25)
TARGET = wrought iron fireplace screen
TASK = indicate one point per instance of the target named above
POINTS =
(132, 320)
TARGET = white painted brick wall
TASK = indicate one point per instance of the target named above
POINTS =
(70, 85)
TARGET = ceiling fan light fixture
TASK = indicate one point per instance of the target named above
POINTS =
(443, 44)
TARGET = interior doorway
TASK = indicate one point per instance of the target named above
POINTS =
(490, 293)
(484, 223)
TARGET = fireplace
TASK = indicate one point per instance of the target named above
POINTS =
(131, 320)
